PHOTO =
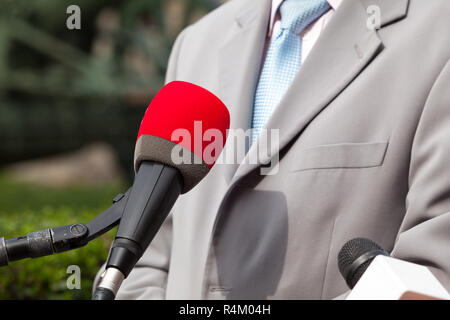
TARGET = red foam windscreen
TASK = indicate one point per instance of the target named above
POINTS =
(184, 107)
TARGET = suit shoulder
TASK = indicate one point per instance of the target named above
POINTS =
(222, 17)
(432, 11)
(432, 19)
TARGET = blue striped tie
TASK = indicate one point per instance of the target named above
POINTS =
(283, 57)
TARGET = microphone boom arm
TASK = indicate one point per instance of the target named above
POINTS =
(59, 239)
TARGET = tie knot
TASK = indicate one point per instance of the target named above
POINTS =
(296, 15)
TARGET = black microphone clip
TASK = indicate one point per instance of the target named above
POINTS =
(55, 240)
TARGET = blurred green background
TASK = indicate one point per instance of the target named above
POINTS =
(70, 106)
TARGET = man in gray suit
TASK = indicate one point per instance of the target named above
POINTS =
(359, 93)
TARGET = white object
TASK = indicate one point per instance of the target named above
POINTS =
(392, 279)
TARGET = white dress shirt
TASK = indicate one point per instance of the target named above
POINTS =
(310, 34)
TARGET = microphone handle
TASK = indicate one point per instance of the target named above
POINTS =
(154, 192)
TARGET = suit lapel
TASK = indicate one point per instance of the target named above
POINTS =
(239, 64)
(344, 49)
(390, 10)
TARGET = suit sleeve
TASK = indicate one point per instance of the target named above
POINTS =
(148, 279)
(424, 236)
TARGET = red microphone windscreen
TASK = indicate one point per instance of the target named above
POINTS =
(185, 126)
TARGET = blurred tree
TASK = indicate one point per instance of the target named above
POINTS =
(61, 88)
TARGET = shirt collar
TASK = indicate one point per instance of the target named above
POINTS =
(276, 4)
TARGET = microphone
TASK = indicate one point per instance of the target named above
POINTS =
(355, 257)
(373, 275)
(172, 155)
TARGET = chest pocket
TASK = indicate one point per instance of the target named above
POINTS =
(338, 156)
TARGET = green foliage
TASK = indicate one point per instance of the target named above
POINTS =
(26, 208)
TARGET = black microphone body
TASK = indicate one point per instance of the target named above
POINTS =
(154, 192)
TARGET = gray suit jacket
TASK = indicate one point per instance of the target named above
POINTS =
(364, 152)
